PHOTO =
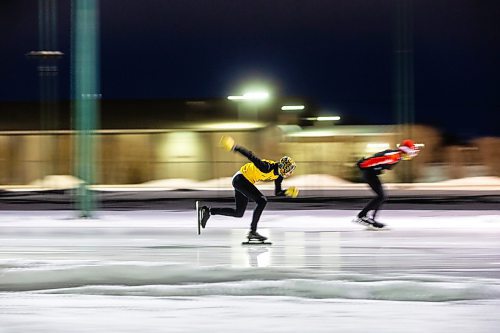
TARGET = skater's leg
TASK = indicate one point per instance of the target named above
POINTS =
(260, 199)
(242, 184)
(379, 189)
(241, 205)
(374, 182)
(261, 204)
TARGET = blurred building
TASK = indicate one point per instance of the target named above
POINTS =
(140, 141)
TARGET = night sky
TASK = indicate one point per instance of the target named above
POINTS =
(339, 53)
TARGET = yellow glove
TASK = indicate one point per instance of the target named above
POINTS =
(292, 192)
(227, 143)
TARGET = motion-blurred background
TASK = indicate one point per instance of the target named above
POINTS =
(115, 92)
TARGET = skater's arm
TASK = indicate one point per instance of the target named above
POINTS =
(278, 191)
(263, 166)
(292, 192)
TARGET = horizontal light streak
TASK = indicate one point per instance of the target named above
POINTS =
(292, 107)
(250, 96)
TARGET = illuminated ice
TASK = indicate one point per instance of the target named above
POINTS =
(432, 271)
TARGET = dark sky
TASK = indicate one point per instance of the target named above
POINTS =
(339, 53)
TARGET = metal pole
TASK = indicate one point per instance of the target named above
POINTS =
(404, 76)
(47, 57)
(86, 90)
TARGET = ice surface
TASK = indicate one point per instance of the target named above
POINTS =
(432, 271)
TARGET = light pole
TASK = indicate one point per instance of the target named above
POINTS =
(404, 76)
(87, 96)
(47, 57)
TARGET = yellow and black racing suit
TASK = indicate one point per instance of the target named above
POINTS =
(244, 186)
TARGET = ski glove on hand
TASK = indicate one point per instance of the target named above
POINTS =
(292, 192)
(227, 143)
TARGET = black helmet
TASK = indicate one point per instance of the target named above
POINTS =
(286, 165)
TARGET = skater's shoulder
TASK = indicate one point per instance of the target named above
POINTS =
(386, 152)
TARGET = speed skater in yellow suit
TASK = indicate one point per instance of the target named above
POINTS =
(244, 186)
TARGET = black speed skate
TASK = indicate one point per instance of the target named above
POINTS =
(369, 223)
(255, 238)
(254, 235)
(203, 216)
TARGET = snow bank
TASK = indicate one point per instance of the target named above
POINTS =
(311, 182)
(56, 182)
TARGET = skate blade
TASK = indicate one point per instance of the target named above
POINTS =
(198, 216)
(369, 227)
(377, 229)
(256, 243)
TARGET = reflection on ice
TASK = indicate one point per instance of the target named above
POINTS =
(258, 256)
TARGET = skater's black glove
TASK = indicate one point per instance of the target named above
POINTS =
(280, 193)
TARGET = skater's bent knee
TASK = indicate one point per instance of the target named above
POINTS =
(262, 201)
(239, 213)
